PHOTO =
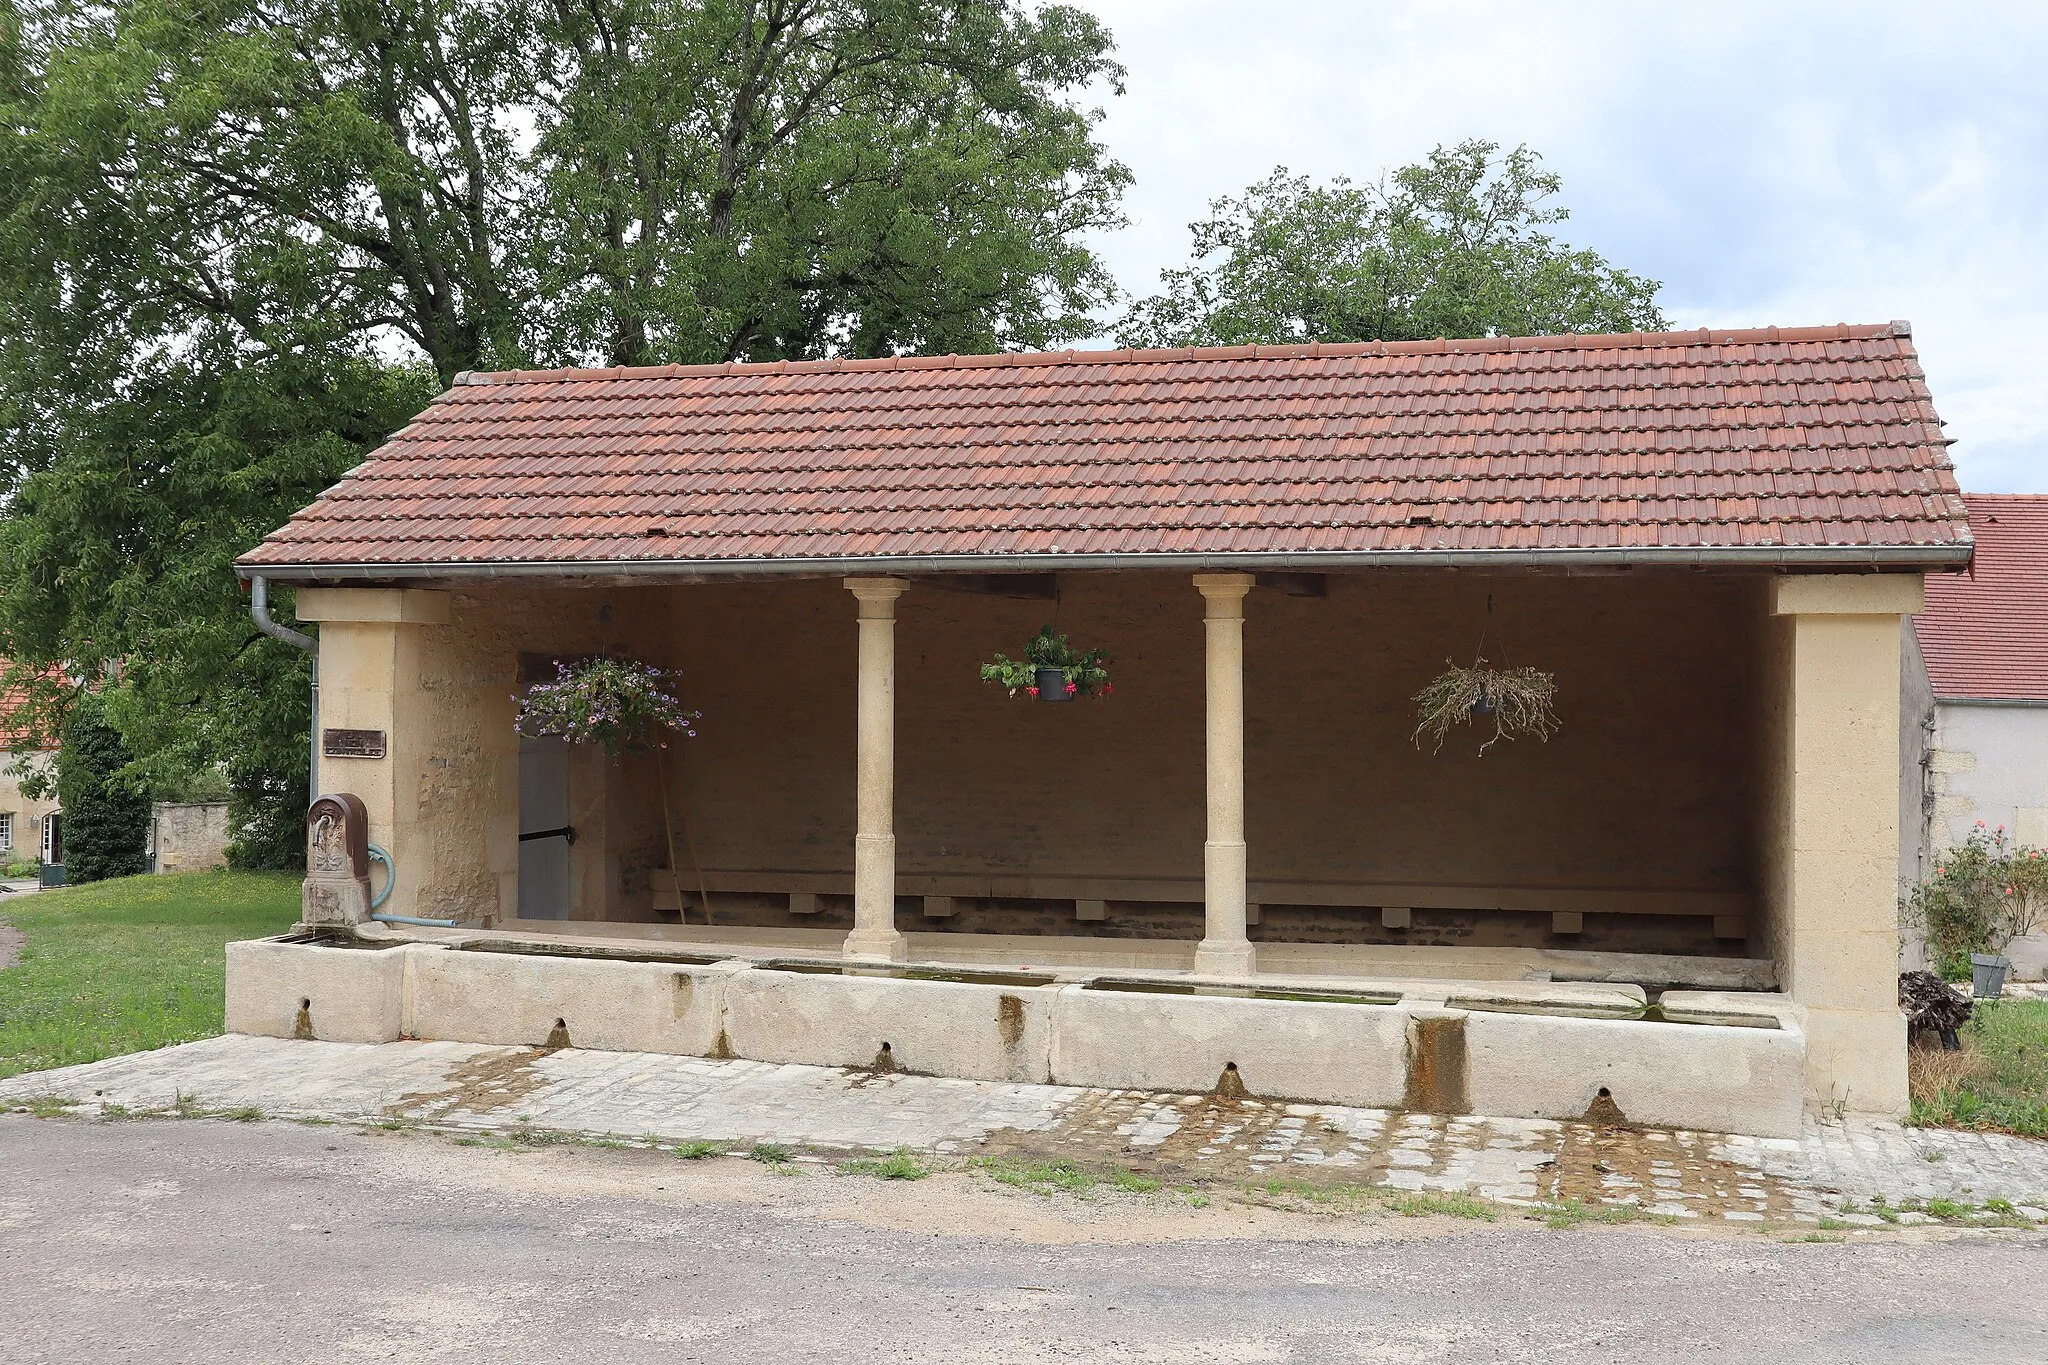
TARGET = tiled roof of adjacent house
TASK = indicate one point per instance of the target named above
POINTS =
(1985, 633)
(1801, 445)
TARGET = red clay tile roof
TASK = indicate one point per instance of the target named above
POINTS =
(1985, 633)
(1779, 446)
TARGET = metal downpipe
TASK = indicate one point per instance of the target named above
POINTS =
(259, 612)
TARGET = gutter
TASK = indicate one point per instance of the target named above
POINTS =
(2033, 703)
(259, 612)
(1869, 557)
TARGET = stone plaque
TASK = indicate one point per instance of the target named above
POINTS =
(352, 744)
(337, 889)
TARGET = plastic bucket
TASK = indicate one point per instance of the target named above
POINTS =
(1987, 975)
(1052, 685)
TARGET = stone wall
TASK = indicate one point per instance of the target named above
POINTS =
(188, 836)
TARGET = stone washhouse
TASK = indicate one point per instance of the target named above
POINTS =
(1239, 867)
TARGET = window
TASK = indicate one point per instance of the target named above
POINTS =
(6, 830)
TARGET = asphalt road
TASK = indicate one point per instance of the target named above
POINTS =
(273, 1242)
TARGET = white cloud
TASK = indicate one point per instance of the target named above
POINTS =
(1771, 163)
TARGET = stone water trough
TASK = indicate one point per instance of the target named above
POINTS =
(1716, 1061)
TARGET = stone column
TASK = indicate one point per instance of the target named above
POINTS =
(874, 841)
(1224, 950)
(1830, 847)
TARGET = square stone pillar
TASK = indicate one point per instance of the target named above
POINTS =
(1830, 846)
(1224, 950)
(370, 651)
(874, 840)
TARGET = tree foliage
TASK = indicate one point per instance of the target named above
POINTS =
(1454, 246)
(106, 820)
(241, 241)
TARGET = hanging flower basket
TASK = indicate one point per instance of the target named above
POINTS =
(1051, 670)
(619, 705)
(615, 703)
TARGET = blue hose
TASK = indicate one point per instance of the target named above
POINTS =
(411, 919)
(390, 880)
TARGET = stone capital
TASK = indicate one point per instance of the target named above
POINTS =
(877, 595)
(1224, 592)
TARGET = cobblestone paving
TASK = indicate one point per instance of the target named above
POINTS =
(1835, 1171)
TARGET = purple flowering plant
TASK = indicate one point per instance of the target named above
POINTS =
(617, 703)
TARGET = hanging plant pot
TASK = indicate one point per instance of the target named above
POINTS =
(1519, 701)
(1051, 670)
(1053, 686)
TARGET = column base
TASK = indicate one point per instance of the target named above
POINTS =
(1856, 1062)
(1225, 957)
(890, 946)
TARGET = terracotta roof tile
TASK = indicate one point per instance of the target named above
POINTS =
(1681, 441)
(1985, 633)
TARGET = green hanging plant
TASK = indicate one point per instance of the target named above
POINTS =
(1082, 672)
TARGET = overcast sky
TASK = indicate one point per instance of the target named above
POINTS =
(1785, 163)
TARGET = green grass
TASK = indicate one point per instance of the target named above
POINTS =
(1999, 1082)
(1566, 1214)
(1351, 1197)
(697, 1150)
(898, 1165)
(770, 1153)
(129, 964)
(1040, 1177)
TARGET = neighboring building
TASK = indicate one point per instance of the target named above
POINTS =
(1712, 539)
(1984, 637)
(27, 830)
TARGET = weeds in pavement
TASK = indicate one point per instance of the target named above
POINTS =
(697, 1151)
(46, 1106)
(770, 1154)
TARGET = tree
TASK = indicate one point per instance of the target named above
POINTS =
(106, 820)
(487, 183)
(1451, 247)
(242, 241)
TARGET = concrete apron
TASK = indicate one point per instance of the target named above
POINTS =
(1728, 1062)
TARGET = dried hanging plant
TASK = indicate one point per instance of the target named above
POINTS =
(1519, 701)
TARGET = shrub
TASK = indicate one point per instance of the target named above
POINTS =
(1984, 893)
(106, 821)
